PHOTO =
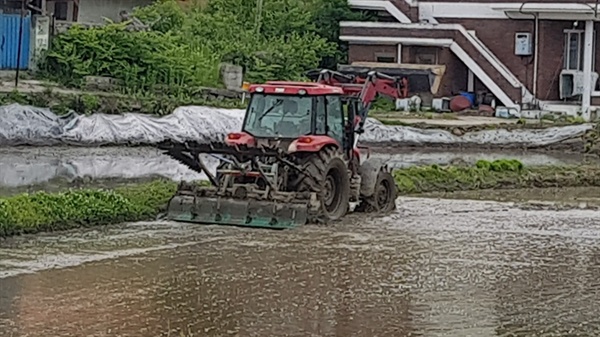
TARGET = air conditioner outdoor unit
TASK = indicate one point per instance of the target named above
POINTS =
(571, 83)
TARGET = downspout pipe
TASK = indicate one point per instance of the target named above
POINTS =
(536, 55)
(536, 37)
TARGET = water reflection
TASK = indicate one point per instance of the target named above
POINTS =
(50, 167)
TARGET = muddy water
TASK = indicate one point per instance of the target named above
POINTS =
(582, 197)
(54, 168)
(434, 268)
(430, 157)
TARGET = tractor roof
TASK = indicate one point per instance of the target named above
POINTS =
(294, 88)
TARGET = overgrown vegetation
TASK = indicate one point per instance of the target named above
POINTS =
(499, 174)
(112, 103)
(30, 213)
(183, 47)
(41, 211)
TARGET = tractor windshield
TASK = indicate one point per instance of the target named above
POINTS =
(279, 116)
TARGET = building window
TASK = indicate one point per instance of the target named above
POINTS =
(61, 10)
(335, 118)
(427, 55)
(385, 58)
(573, 51)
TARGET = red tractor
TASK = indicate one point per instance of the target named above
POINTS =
(295, 159)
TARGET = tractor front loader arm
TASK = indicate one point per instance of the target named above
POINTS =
(365, 88)
(382, 84)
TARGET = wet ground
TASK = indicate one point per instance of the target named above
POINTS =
(579, 197)
(28, 169)
(433, 268)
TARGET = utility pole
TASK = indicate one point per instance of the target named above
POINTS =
(20, 44)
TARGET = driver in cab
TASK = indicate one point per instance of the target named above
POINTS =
(295, 119)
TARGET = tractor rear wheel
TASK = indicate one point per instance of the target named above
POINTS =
(384, 196)
(336, 190)
(327, 174)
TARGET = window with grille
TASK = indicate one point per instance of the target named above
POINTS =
(573, 51)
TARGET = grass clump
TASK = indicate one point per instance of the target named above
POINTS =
(41, 211)
(450, 178)
(501, 165)
(498, 174)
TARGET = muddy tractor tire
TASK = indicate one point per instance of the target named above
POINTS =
(378, 190)
(327, 174)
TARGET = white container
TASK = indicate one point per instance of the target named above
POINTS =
(440, 104)
(403, 104)
(232, 76)
(504, 112)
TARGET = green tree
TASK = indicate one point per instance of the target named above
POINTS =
(184, 46)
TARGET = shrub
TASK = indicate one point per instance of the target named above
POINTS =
(185, 46)
(41, 211)
(140, 60)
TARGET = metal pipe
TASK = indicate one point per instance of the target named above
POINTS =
(536, 35)
(262, 174)
(536, 55)
(200, 164)
(587, 67)
(20, 44)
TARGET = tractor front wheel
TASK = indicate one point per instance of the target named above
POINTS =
(384, 196)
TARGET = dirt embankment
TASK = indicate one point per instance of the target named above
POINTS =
(465, 131)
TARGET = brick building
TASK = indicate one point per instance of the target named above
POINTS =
(534, 55)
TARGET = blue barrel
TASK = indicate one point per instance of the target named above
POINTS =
(470, 96)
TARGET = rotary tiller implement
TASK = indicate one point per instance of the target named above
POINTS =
(246, 190)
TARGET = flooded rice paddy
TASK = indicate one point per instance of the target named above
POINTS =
(432, 268)
(496, 264)
(540, 198)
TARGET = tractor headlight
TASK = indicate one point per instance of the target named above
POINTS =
(260, 89)
(293, 147)
(301, 92)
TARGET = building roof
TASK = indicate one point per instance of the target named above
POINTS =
(549, 11)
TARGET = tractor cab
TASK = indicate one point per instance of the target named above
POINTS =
(290, 110)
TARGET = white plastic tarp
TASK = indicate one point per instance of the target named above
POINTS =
(24, 125)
